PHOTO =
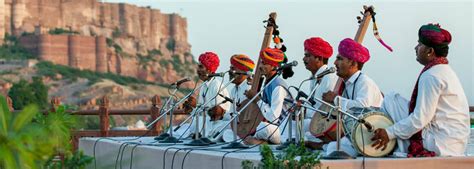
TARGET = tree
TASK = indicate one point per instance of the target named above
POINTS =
(24, 93)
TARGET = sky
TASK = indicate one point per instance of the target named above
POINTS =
(232, 27)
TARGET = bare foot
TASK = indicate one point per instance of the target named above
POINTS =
(252, 141)
(314, 145)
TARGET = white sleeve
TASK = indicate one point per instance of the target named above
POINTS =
(365, 97)
(327, 84)
(273, 112)
(426, 103)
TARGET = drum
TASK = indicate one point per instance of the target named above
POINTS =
(360, 136)
(322, 127)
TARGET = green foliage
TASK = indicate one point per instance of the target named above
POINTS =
(155, 52)
(110, 42)
(116, 33)
(50, 69)
(117, 48)
(12, 49)
(171, 45)
(76, 160)
(27, 33)
(288, 159)
(24, 93)
(28, 139)
(146, 61)
(61, 31)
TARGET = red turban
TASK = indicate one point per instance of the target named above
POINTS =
(318, 47)
(209, 60)
(242, 62)
(272, 56)
(354, 51)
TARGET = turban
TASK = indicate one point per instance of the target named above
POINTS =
(242, 62)
(354, 51)
(272, 56)
(318, 47)
(434, 36)
(209, 60)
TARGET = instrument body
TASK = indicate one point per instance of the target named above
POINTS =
(251, 116)
(359, 134)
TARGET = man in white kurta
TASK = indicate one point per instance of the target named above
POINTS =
(209, 101)
(316, 55)
(358, 89)
(272, 104)
(240, 64)
(439, 108)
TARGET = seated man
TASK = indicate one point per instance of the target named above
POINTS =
(209, 92)
(316, 55)
(436, 120)
(272, 105)
(239, 64)
(358, 90)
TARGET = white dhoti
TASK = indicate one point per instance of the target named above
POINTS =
(211, 128)
(393, 105)
(396, 107)
(267, 131)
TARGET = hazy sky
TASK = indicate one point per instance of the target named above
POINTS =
(230, 27)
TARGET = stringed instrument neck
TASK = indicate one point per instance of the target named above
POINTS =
(266, 43)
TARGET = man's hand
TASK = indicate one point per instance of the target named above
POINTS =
(189, 104)
(250, 94)
(216, 113)
(380, 139)
(329, 96)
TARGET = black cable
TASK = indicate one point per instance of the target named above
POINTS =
(118, 140)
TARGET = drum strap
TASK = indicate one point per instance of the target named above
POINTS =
(416, 141)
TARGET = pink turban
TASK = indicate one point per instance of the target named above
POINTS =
(354, 51)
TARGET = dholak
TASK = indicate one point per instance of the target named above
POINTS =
(323, 127)
(360, 136)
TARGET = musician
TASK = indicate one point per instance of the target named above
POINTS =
(240, 64)
(316, 55)
(436, 120)
(272, 104)
(208, 63)
(358, 90)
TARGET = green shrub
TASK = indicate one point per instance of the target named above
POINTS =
(60, 31)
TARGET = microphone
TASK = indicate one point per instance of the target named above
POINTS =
(227, 99)
(248, 73)
(304, 95)
(325, 72)
(217, 74)
(180, 82)
(290, 64)
(369, 127)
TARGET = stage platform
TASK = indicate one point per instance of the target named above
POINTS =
(146, 153)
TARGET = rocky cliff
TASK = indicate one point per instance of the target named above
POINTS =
(137, 41)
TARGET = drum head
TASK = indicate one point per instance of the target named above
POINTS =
(360, 136)
(321, 127)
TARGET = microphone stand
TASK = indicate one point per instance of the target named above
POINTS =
(202, 141)
(338, 154)
(166, 105)
(234, 118)
(163, 114)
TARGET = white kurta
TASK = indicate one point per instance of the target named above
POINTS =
(441, 112)
(364, 93)
(327, 83)
(267, 131)
(209, 93)
(237, 94)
